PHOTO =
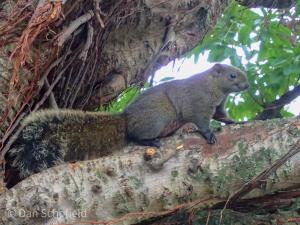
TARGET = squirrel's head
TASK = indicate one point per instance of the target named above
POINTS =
(231, 79)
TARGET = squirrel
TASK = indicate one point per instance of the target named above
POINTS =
(51, 137)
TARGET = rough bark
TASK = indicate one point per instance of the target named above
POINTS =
(253, 168)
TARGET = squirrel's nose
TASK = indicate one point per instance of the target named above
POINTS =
(246, 86)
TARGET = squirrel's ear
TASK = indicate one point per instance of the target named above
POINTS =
(218, 67)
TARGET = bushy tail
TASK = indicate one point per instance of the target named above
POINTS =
(52, 137)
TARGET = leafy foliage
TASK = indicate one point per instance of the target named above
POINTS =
(127, 97)
(122, 101)
(265, 43)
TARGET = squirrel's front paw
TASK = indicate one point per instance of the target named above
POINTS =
(210, 137)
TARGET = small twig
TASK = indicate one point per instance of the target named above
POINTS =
(44, 77)
(48, 92)
(64, 92)
(88, 43)
(92, 81)
(98, 12)
(67, 52)
(249, 186)
(93, 75)
(65, 35)
(66, 96)
(152, 79)
(141, 215)
(8, 29)
(13, 137)
(53, 102)
(208, 217)
(45, 14)
(72, 89)
(293, 220)
(75, 92)
(10, 142)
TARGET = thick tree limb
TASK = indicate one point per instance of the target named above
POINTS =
(123, 189)
(272, 110)
(278, 4)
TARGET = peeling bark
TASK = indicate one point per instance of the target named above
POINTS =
(187, 174)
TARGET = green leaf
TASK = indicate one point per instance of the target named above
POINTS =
(286, 113)
(291, 69)
(236, 60)
(244, 35)
(217, 54)
(277, 62)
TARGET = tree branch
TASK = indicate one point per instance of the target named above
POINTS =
(66, 34)
(272, 110)
(275, 4)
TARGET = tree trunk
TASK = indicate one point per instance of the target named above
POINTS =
(253, 168)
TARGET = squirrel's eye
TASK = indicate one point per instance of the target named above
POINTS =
(232, 75)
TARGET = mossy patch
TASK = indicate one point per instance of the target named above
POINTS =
(137, 183)
(174, 174)
(101, 176)
(242, 168)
